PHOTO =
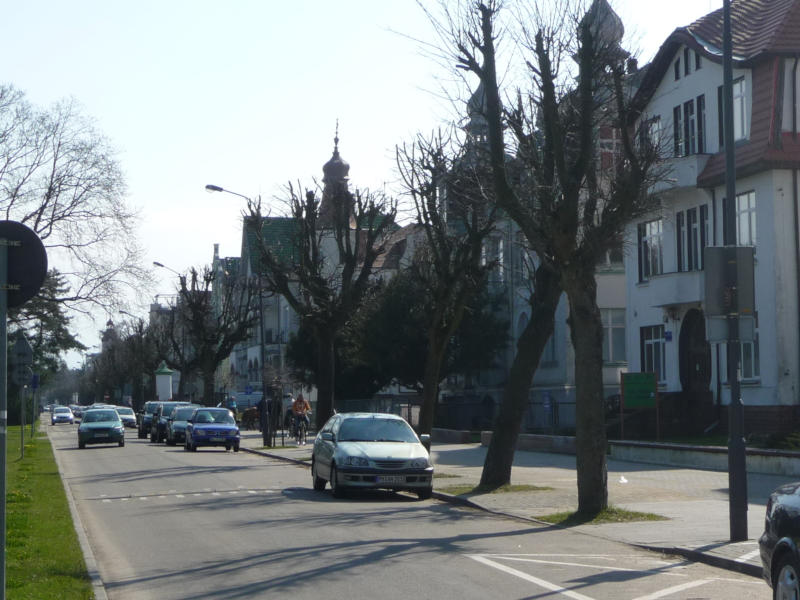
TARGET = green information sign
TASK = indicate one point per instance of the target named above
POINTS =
(639, 390)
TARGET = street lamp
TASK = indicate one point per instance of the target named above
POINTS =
(163, 266)
(210, 188)
(216, 188)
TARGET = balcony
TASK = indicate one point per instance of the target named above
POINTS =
(685, 287)
(681, 172)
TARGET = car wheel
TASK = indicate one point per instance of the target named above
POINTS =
(336, 489)
(786, 584)
(122, 442)
(140, 434)
(319, 482)
(236, 447)
(425, 493)
(170, 441)
(81, 445)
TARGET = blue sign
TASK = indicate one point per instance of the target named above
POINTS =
(248, 389)
(35, 381)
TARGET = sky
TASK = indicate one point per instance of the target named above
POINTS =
(246, 95)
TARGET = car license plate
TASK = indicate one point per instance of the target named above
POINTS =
(100, 435)
(391, 479)
(217, 439)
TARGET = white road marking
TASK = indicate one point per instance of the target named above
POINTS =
(252, 492)
(674, 589)
(748, 556)
(535, 580)
(179, 496)
(106, 500)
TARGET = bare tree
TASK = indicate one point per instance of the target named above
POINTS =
(59, 176)
(570, 211)
(457, 212)
(211, 316)
(320, 259)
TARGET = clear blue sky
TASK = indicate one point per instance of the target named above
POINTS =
(244, 94)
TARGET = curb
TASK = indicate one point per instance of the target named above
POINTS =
(98, 588)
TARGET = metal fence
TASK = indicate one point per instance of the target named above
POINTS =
(473, 413)
(408, 408)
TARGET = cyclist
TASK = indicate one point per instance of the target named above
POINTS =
(300, 410)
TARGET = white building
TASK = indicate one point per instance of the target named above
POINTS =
(680, 101)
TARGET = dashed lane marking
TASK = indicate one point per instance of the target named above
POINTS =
(105, 499)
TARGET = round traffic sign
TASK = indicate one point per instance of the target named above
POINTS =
(27, 262)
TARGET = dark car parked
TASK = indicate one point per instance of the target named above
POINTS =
(158, 426)
(145, 418)
(176, 423)
(778, 544)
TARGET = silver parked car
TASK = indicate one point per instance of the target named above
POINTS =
(371, 450)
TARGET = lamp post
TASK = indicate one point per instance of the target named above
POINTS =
(141, 353)
(184, 374)
(211, 188)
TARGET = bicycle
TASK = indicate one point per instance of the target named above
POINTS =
(300, 430)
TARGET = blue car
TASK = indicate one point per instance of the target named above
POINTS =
(212, 427)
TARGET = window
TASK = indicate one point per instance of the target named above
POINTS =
(651, 260)
(739, 109)
(746, 219)
(739, 112)
(493, 252)
(689, 125)
(692, 234)
(613, 335)
(701, 124)
(549, 357)
(650, 132)
(677, 69)
(698, 63)
(652, 351)
(749, 360)
(686, 62)
(677, 130)
(689, 128)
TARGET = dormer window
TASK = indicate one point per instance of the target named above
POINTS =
(686, 62)
(677, 69)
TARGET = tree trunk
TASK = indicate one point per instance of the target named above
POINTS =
(430, 384)
(586, 331)
(500, 454)
(325, 377)
(208, 388)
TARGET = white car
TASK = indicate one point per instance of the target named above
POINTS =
(126, 415)
(62, 414)
(371, 450)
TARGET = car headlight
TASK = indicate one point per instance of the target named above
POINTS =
(119, 427)
(355, 461)
(419, 463)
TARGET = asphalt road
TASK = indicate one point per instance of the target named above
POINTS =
(164, 523)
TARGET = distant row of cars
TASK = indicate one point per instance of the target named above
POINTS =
(190, 424)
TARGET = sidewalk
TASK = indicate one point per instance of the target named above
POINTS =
(694, 501)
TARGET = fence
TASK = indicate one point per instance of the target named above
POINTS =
(408, 408)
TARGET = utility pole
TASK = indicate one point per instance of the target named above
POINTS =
(737, 454)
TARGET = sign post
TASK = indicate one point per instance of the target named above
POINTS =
(23, 267)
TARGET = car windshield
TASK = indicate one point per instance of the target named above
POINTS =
(214, 416)
(150, 408)
(376, 430)
(181, 414)
(62, 409)
(96, 416)
(125, 411)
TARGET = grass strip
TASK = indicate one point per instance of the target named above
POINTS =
(609, 515)
(43, 556)
(472, 490)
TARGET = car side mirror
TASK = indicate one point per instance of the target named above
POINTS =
(190, 420)
(327, 436)
(425, 440)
